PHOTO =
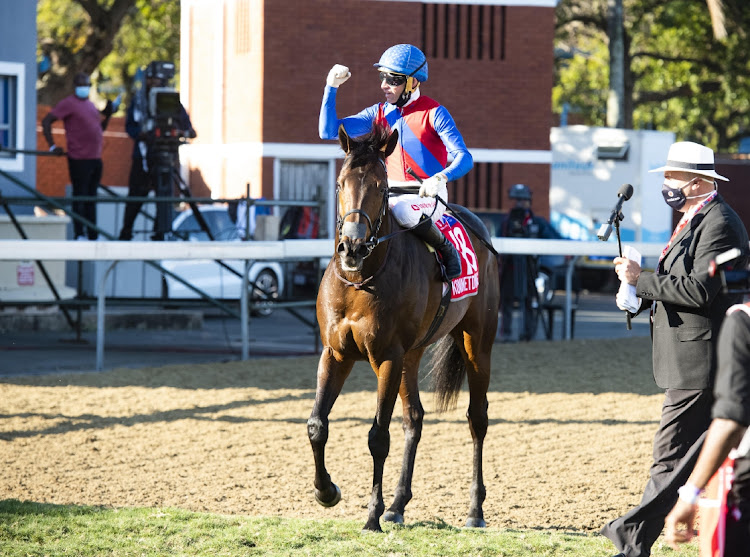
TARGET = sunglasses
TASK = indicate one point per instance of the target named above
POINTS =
(393, 79)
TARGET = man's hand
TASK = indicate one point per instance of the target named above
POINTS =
(55, 150)
(627, 270)
(683, 514)
(432, 185)
(338, 75)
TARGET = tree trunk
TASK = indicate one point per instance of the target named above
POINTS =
(616, 96)
(104, 24)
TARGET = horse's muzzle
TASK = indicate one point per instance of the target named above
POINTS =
(352, 253)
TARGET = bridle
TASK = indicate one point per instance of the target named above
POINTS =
(359, 230)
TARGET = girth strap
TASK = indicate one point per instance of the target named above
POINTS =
(439, 316)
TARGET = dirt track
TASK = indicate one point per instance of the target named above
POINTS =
(569, 444)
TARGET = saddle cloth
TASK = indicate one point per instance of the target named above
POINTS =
(468, 283)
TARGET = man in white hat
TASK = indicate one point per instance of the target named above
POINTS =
(687, 308)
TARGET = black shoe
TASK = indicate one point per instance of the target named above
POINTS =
(125, 236)
(428, 232)
(157, 236)
(451, 259)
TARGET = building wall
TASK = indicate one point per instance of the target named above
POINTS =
(222, 88)
(736, 167)
(495, 79)
(18, 45)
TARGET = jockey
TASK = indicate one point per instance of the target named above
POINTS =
(427, 134)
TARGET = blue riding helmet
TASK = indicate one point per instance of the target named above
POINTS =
(405, 59)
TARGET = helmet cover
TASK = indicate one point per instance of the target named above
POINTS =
(405, 59)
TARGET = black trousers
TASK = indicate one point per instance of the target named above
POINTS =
(160, 178)
(139, 184)
(738, 533)
(685, 418)
(85, 175)
(515, 282)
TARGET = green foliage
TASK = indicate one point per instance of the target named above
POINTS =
(33, 529)
(110, 40)
(150, 33)
(582, 82)
(682, 78)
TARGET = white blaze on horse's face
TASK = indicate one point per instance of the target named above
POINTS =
(360, 204)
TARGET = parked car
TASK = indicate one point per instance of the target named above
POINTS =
(266, 278)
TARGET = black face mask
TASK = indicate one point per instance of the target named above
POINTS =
(674, 198)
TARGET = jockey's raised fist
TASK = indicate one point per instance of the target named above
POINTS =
(338, 75)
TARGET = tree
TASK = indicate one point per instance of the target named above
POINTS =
(108, 39)
(677, 75)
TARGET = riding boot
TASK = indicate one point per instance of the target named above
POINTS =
(428, 232)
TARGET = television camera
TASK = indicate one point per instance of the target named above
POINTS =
(167, 126)
(732, 266)
(165, 114)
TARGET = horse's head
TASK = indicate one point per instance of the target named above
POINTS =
(362, 193)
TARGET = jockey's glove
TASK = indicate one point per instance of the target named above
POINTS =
(432, 185)
(338, 75)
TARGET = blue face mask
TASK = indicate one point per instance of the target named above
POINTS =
(82, 91)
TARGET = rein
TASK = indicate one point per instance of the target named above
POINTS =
(359, 230)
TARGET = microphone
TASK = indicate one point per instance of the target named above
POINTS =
(624, 193)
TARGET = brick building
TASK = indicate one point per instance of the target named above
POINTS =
(253, 72)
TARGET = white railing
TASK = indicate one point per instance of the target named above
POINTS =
(57, 250)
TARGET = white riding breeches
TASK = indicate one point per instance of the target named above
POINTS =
(409, 208)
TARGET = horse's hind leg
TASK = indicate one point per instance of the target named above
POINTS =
(412, 423)
(477, 357)
(331, 376)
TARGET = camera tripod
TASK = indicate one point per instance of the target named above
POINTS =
(166, 177)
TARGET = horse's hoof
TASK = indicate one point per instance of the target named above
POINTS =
(475, 523)
(395, 518)
(332, 501)
(372, 527)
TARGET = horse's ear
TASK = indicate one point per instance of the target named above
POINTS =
(344, 139)
(390, 145)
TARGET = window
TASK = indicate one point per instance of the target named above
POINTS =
(463, 31)
(11, 114)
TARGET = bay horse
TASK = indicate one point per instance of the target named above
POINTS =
(377, 301)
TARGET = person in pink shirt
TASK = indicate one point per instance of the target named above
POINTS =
(84, 126)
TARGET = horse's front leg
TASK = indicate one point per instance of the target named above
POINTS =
(332, 373)
(389, 379)
(413, 413)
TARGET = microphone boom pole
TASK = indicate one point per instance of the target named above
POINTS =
(624, 193)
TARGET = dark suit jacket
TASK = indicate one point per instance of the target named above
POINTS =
(689, 305)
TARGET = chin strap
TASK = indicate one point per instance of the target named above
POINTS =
(410, 87)
(404, 98)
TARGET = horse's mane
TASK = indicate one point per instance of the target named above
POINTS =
(363, 148)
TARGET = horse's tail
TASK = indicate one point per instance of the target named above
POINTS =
(448, 371)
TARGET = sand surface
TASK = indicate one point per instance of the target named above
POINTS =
(568, 447)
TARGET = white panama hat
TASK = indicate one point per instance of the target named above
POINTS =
(686, 156)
